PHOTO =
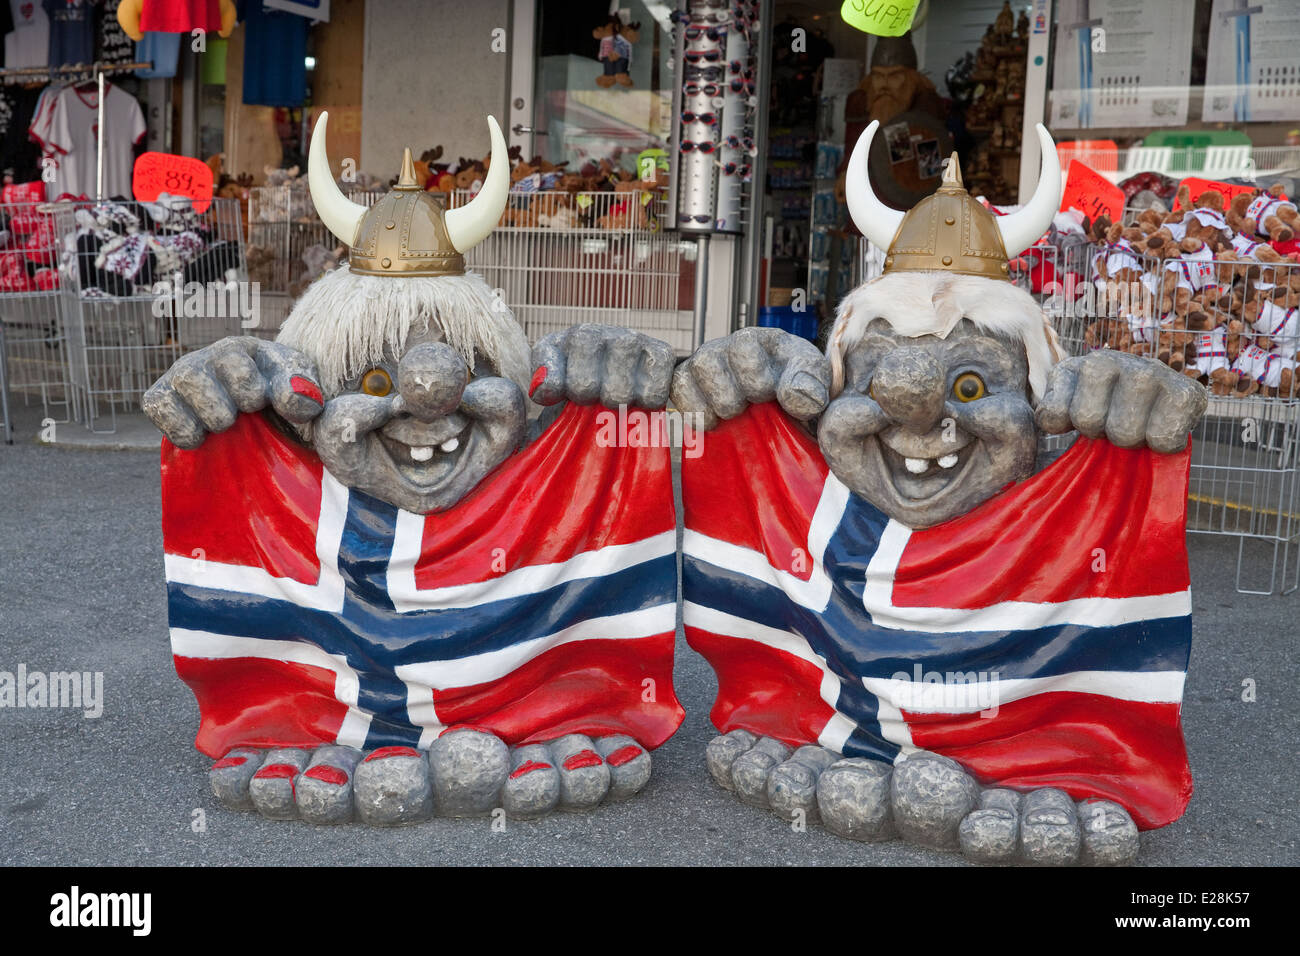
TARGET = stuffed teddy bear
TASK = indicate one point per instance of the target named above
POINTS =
(615, 52)
(1267, 213)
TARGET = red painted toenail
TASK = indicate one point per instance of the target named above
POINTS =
(623, 755)
(528, 767)
(305, 386)
(276, 771)
(583, 758)
(383, 752)
(229, 762)
(327, 774)
(538, 378)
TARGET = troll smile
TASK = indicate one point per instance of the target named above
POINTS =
(423, 454)
(920, 468)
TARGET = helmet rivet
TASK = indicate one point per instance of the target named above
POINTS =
(390, 224)
(386, 262)
(1004, 267)
(947, 260)
(950, 221)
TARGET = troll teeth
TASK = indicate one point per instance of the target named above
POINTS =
(422, 453)
(916, 465)
(450, 445)
(947, 461)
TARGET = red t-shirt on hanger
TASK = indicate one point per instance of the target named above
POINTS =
(180, 16)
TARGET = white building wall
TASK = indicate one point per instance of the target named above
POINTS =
(430, 78)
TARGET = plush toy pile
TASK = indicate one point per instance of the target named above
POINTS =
(1204, 289)
(27, 244)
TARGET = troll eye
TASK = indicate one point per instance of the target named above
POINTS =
(968, 387)
(376, 382)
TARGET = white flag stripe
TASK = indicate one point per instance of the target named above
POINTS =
(717, 622)
(985, 692)
(426, 676)
(205, 645)
(815, 593)
(325, 595)
(877, 597)
(408, 539)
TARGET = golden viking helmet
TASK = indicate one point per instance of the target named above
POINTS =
(950, 231)
(408, 233)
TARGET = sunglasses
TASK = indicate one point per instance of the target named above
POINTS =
(742, 86)
(735, 66)
(694, 32)
(736, 142)
(695, 89)
(700, 218)
(709, 56)
(709, 119)
(707, 73)
(730, 169)
(706, 147)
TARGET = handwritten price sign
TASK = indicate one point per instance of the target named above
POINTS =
(1091, 193)
(157, 173)
(1198, 186)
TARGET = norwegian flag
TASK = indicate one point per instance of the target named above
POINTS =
(1040, 640)
(303, 612)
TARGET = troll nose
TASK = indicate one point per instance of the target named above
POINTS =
(431, 378)
(908, 385)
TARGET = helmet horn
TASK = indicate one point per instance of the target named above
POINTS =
(471, 223)
(340, 214)
(873, 218)
(1022, 228)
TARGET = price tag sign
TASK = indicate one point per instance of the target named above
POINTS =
(1198, 186)
(157, 173)
(884, 19)
(1091, 193)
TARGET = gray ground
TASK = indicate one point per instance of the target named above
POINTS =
(81, 587)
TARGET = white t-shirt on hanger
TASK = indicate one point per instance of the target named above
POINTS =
(67, 131)
(29, 44)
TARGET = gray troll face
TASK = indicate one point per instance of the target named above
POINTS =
(927, 428)
(419, 429)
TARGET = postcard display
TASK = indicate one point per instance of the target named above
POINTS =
(1252, 73)
(719, 99)
(1121, 63)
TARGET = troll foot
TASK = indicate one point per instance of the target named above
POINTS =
(465, 773)
(926, 799)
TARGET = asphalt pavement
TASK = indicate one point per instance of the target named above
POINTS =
(81, 588)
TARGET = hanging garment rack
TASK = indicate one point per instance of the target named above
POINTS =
(88, 69)
(97, 71)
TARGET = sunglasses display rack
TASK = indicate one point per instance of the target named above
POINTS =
(736, 136)
(715, 125)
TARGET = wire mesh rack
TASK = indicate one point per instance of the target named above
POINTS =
(1228, 324)
(557, 258)
(287, 243)
(561, 258)
(35, 344)
(139, 286)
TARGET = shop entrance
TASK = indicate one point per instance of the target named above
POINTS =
(946, 86)
(586, 237)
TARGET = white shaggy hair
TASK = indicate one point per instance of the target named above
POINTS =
(344, 322)
(932, 303)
